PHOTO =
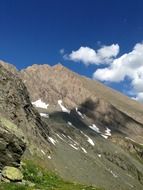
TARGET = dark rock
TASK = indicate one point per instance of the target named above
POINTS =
(11, 148)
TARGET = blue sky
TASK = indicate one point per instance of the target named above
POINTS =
(34, 31)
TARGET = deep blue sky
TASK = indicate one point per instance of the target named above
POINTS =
(33, 31)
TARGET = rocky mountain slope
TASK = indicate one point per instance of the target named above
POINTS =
(104, 106)
(98, 132)
(84, 131)
(21, 125)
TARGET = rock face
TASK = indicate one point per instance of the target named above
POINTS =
(11, 147)
(20, 124)
(11, 173)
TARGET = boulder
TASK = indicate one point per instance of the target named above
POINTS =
(12, 173)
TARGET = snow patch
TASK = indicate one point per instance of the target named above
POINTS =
(43, 152)
(88, 139)
(79, 113)
(84, 150)
(114, 175)
(70, 138)
(73, 146)
(69, 123)
(130, 176)
(95, 128)
(40, 104)
(64, 109)
(108, 131)
(49, 157)
(104, 136)
(59, 137)
(99, 155)
(52, 140)
(44, 115)
(75, 143)
(130, 185)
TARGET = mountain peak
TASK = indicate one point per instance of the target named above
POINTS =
(59, 67)
(9, 67)
(37, 66)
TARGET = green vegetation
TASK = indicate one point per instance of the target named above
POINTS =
(12, 186)
(38, 178)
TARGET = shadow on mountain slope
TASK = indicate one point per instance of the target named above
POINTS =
(115, 156)
(94, 113)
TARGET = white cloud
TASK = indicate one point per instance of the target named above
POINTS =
(108, 51)
(139, 97)
(137, 81)
(116, 71)
(90, 56)
(84, 54)
(128, 65)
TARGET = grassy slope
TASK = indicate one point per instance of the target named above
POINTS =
(43, 180)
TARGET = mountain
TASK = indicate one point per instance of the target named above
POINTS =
(108, 107)
(74, 126)
(99, 131)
